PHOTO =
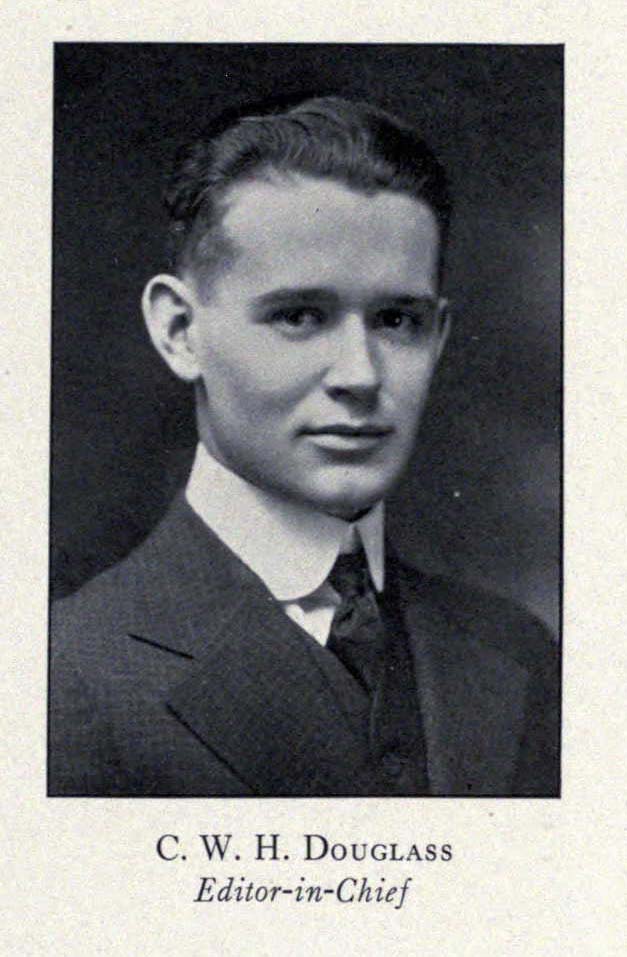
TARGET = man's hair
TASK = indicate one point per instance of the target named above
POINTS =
(351, 142)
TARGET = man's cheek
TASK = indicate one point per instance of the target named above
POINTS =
(273, 393)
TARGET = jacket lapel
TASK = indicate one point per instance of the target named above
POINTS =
(258, 699)
(279, 710)
(256, 690)
(471, 698)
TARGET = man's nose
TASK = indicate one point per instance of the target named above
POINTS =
(354, 366)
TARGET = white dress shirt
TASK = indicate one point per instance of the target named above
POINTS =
(290, 546)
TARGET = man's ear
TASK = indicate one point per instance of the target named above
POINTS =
(443, 326)
(168, 307)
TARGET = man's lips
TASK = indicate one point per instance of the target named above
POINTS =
(368, 430)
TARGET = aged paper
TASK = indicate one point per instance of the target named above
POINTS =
(525, 876)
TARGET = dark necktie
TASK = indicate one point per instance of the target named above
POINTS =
(357, 635)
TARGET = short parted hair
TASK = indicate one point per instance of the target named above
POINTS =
(351, 142)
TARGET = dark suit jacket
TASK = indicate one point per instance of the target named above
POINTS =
(177, 673)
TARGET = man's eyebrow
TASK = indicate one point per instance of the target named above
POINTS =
(286, 294)
(408, 299)
(310, 294)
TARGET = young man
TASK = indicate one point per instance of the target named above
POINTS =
(264, 640)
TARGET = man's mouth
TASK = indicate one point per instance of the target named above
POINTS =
(343, 439)
(365, 430)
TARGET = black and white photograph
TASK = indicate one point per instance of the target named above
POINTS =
(312, 575)
(306, 420)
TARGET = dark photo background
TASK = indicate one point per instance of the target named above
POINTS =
(482, 498)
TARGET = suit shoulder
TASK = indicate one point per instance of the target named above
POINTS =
(486, 617)
(98, 601)
(83, 625)
(128, 584)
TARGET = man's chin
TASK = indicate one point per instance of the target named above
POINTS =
(349, 505)
(350, 514)
(346, 492)
(345, 496)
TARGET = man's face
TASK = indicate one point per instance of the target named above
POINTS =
(317, 345)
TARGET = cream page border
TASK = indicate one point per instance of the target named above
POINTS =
(532, 878)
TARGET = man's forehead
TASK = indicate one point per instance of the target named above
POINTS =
(300, 199)
(306, 229)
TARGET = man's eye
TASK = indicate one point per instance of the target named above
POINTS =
(400, 320)
(297, 319)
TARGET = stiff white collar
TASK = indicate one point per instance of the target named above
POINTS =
(291, 547)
